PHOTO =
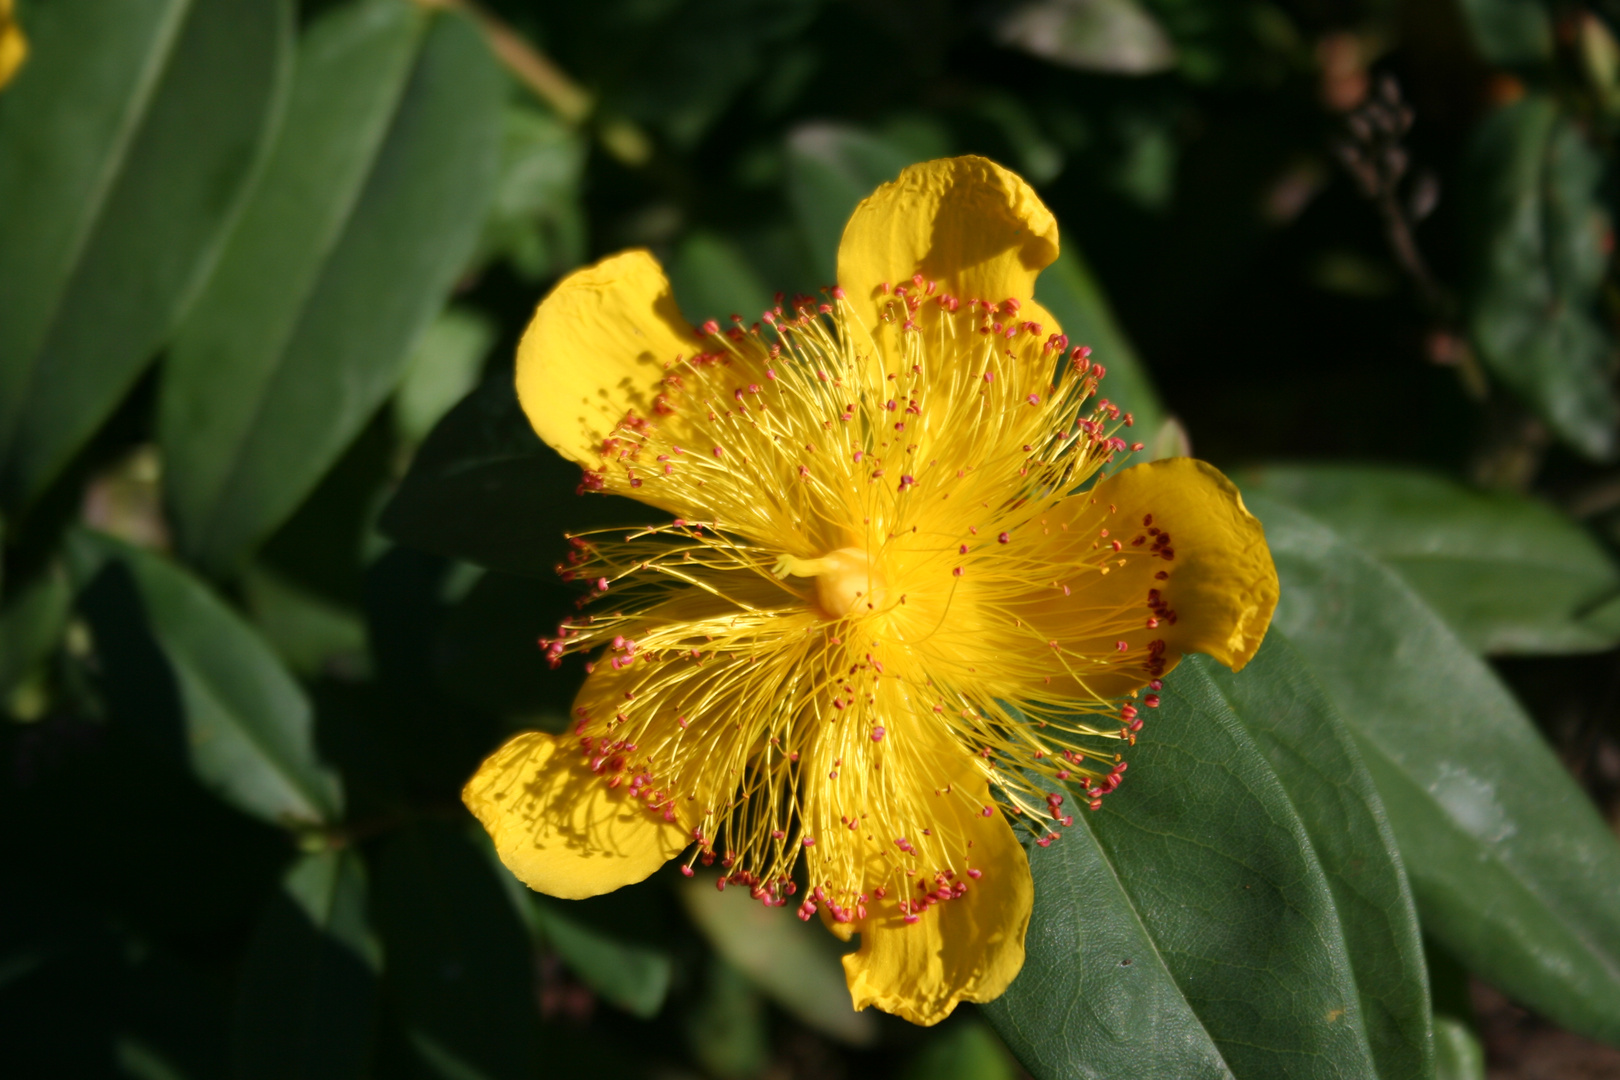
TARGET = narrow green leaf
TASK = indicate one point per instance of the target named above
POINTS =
(1508, 573)
(444, 368)
(536, 221)
(459, 962)
(962, 1051)
(633, 977)
(350, 240)
(1512, 868)
(1540, 232)
(792, 962)
(306, 998)
(1187, 929)
(123, 145)
(713, 279)
(200, 683)
(1314, 756)
(726, 1030)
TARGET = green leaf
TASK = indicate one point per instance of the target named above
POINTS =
(444, 368)
(633, 977)
(1069, 291)
(31, 624)
(1513, 870)
(536, 221)
(124, 143)
(792, 962)
(483, 488)
(1458, 1054)
(1117, 37)
(713, 279)
(1314, 756)
(307, 992)
(1509, 32)
(726, 1030)
(1540, 233)
(1187, 929)
(1508, 573)
(350, 240)
(831, 168)
(200, 684)
(459, 962)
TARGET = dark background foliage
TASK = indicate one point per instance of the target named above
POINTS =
(278, 542)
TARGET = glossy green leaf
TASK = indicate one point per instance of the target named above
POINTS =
(307, 993)
(633, 977)
(200, 684)
(793, 962)
(483, 488)
(1314, 756)
(1187, 928)
(1113, 36)
(1512, 868)
(713, 279)
(365, 213)
(460, 967)
(1070, 292)
(124, 142)
(1540, 237)
(1508, 573)
(1509, 31)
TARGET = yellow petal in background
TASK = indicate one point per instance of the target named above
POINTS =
(596, 350)
(559, 827)
(965, 222)
(13, 46)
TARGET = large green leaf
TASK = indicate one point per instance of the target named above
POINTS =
(350, 240)
(1540, 237)
(1508, 573)
(31, 624)
(200, 683)
(1188, 928)
(1314, 755)
(123, 146)
(1509, 31)
(460, 965)
(1113, 36)
(831, 167)
(307, 992)
(1513, 869)
(632, 976)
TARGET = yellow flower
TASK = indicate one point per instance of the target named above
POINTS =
(13, 46)
(896, 604)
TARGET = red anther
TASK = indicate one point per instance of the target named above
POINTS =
(1045, 841)
(1096, 804)
(687, 871)
(809, 841)
(909, 920)
(1162, 575)
(1136, 725)
(1127, 712)
(1099, 370)
(962, 550)
(1120, 767)
(1063, 774)
(906, 481)
(957, 572)
(1034, 399)
(838, 292)
(1135, 446)
(1156, 684)
(1123, 646)
(989, 376)
(986, 812)
(601, 584)
(718, 452)
(720, 883)
(877, 734)
(1003, 538)
(806, 910)
(711, 327)
(1151, 701)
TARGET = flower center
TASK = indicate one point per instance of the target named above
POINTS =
(846, 581)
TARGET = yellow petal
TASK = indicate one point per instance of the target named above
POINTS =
(1221, 584)
(559, 827)
(966, 949)
(13, 46)
(965, 222)
(597, 349)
